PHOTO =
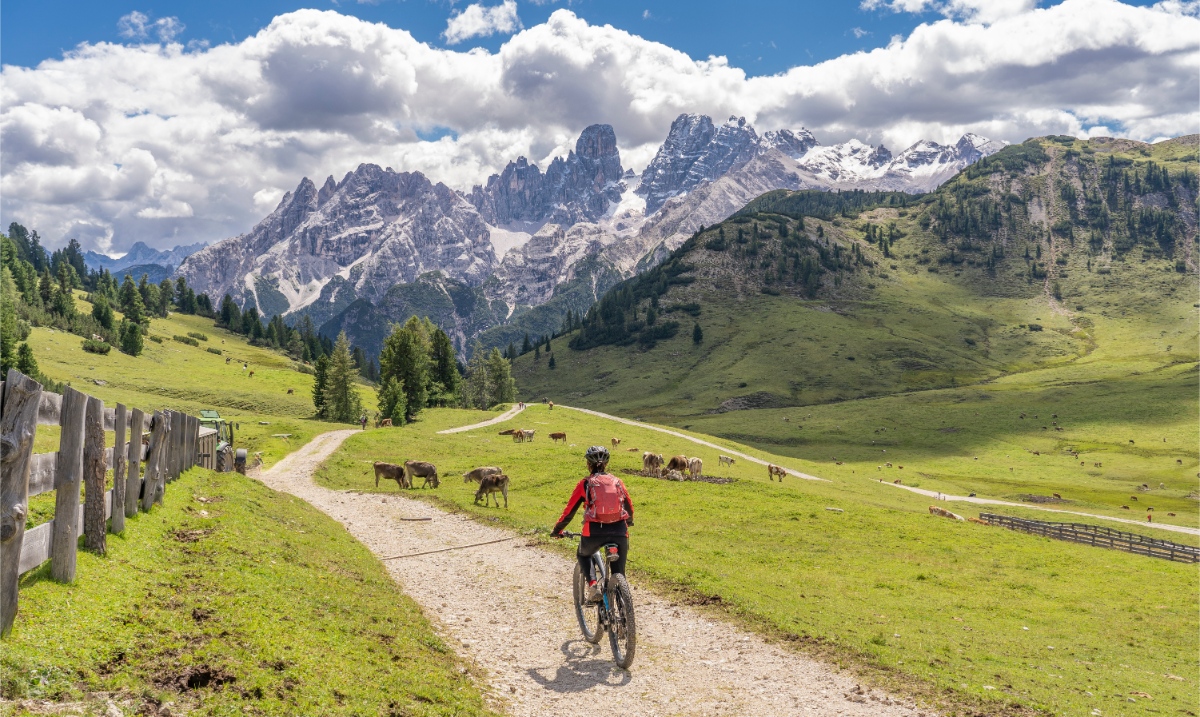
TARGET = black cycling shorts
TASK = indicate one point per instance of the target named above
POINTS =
(591, 543)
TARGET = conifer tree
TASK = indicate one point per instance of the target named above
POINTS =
(320, 375)
(342, 402)
(26, 364)
(504, 388)
(552, 362)
(405, 356)
(131, 338)
(101, 311)
(443, 368)
(697, 334)
(525, 347)
(131, 302)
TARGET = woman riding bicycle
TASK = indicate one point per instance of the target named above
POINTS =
(607, 516)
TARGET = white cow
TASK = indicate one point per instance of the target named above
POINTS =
(695, 467)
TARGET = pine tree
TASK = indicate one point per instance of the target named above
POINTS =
(552, 362)
(537, 352)
(319, 379)
(131, 302)
(342, 402)
(525, 346)
(405, 356)
(477, 387)
(102, 312)
(504, 388)
(697, 334)
(512, 351)
(8, 320)
(393, 402)
(443, 368)
(26, 364)
(131, 338)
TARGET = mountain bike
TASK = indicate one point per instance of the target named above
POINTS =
(614, 613)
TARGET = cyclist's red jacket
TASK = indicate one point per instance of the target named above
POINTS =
(602, 530)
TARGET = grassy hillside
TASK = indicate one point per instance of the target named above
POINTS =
(181, 612)
(927, 330)
(962, 614)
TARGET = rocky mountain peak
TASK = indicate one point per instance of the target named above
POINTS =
(579, 187)
(695, 151)
(794, 144)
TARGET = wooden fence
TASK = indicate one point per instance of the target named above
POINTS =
(167, 442)
(1099, 536)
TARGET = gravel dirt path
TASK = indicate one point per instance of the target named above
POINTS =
(507, 607)
(498, 419)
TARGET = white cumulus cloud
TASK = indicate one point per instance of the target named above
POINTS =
(478, 21)
(115, 143)
(138, 26)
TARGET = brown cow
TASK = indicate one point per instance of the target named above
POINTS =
(677, 463)
(291, 391)
(251, 374)
(489, 486)
(479, 474)
(552, 405)
(774, 470)
(391, 471)
(558, 437)
(385, 423)
(421, 469)
(652, 463)
(518, 435)
(616, 442)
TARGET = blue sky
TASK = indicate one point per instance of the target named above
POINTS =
(759, 37)
(130, 138)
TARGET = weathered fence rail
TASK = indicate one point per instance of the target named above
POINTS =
(167, 442)
(1099, 536)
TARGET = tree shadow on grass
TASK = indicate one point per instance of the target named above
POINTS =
(587, 666)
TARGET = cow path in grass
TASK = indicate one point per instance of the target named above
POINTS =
(693, 439)
(507, 607)
(922, 491)
(491, 421)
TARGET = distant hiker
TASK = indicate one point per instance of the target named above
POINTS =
(363, 421)
(607, 517)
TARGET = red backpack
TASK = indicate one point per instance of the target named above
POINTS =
(605, 502)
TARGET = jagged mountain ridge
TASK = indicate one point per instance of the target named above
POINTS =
(322, 250)
(140, 254)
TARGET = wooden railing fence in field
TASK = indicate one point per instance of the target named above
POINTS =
(167, 442)
(1100, 536)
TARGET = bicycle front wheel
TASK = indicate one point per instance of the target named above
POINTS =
(587, 615)
(622, 627)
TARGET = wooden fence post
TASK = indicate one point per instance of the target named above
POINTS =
(118, 492)
(18, 423)
(136, 425)
(193, 439)
(67, 477)
(158, 445)
(94, 469)
(173, 450)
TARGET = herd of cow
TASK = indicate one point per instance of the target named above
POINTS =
(492, 480)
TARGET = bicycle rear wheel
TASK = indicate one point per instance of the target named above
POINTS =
(622, 627)
(587, 615)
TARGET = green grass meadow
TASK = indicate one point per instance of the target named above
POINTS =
(231, 599)
(963, 615)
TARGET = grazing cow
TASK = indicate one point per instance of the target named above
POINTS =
(1056, 495)
(1124, 507)
(616, 442)
(421, 469)
(1171, 514)
(385, 423)
(1133, 497)
(509, 432)
(489, 486)
(251, 374)
(552, 405)
(527, 435)
(725, 460)
(479, 474)
(555, 437)
(1178, 461)
(695, 467)
(291, 391)
(677, 463)
(633, 450)
(518, 436)
(897, 481)
(227, 358)
(774, 470)
(391, 471)
(652, 463)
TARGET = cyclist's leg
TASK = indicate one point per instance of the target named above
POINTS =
(622, 543)
(587, 547)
